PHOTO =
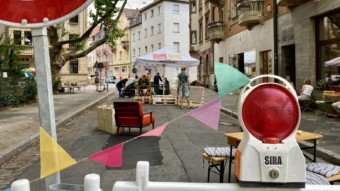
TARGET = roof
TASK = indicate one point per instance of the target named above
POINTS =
(130, 13)
(155, 2)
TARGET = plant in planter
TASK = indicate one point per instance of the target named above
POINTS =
(322, 84)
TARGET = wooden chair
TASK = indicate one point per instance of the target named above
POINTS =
(323, 105)
(130, 114)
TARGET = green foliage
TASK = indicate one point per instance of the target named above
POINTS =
(10, 58)
(56, 84)
(19, 92)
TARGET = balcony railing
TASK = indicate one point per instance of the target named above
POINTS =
(290, 3)
(28, 51)
(250, 12)
(216, 31)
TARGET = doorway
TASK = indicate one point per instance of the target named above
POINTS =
(288, 62)
(240, 58)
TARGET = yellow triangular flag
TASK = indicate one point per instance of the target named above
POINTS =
(53, 157)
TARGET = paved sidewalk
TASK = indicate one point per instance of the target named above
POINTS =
(19, 127)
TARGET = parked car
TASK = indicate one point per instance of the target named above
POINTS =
(111, 79)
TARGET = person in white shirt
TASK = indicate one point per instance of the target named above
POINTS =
(306, 91)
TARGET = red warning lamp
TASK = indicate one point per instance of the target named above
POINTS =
(270, 113)
(268, 155)
(39, 13)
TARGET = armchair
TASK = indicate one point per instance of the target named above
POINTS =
(130, 114)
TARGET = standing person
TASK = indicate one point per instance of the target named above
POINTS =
(156, 80)
(183, 87)
(306, 91)
(120, 85)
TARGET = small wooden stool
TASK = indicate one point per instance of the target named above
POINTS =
(216, 162)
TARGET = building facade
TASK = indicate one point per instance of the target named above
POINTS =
(121, 52)
(74, 70)
(163, 23)
(286, 37)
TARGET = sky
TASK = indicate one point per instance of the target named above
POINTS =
(133, 4)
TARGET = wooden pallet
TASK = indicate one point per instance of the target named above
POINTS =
(143, 99)
(164, 100)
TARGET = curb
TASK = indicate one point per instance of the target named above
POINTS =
(325, 154)
(35, 137)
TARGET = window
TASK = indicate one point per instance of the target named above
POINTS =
(146, 49)
(139, 52)
(138, 35)
(159, 10)
(120, 55)
(133, 52)
(116, 70)
(74, 20)
(159, 45)
(176, 46)
(206, 25)
(233, 8)
(193, 6)
(28, 38)
(74, 66)
(145, 16)
(159, 28)
(200, 31)
(152, 31)
(176, 27)
(176, 8)
(152, 48)
(146, 32)
(193, 37)
(151, 13)
(70, 37)
(133, 37)
(17, 37)
(124, 69)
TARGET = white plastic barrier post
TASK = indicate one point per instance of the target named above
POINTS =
(92, 182)
(21, 185)
(143, 184)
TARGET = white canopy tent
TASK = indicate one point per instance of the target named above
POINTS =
(170, 61)
(333, 62)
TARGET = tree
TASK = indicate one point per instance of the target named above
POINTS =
(106, 15)
(10, 57)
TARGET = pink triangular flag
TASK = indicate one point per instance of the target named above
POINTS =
(155, 132)
(208, 114)
(111, 157)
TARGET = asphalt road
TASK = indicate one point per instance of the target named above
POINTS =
(175, 156)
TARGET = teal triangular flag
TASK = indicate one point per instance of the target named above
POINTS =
(228, 79)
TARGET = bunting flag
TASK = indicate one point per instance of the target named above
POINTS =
(53, 158)
(228, 79)
(208, 114)
(112, 157)
(155, 132)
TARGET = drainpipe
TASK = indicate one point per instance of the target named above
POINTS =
(275, 34)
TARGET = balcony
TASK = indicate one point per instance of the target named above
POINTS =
(125, 44)
(216, 31)
(28, 51)
(290, 3)
(250, 13)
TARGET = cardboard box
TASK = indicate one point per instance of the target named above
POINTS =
(106, 120)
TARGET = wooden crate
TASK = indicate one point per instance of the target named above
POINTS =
(163, 100)
(105, 119)
(196, 97)
(143, 99)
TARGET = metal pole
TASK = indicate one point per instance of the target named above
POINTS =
(45, 94)
(275, 24)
